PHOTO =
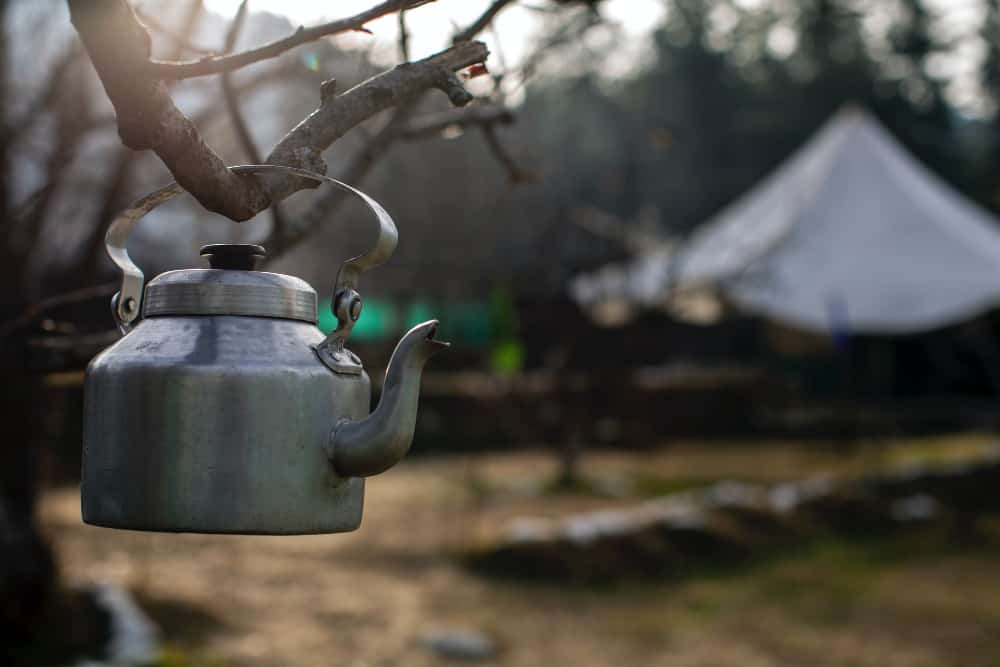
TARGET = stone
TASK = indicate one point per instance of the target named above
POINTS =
(459, 644)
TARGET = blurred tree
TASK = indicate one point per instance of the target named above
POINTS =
(917, 110)
(689, 105)
(989, 78)
(730, 91)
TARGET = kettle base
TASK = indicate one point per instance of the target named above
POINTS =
(150, 528)
(339, 515)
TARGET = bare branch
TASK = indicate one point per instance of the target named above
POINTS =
(84, 346)
(229, 89)
(328, 203)
(480, 23)
(514, 172)
(236, 27)
(606, 225)
(40, 308)
(571, 31)
(148, 118)
(231, 96)
(433, 124)
(115, 187)
(401, 127)
(227, 63)
(181, 43)
(60, 69)
(119, 47)
(404, 38)
(71, 110)
(337, 115)
(119, 179)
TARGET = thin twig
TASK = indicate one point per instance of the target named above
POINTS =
(236, 27)
(480, 23)
(216, 64)
(324, 208)
(401, 126)
(118, 181)
(242, 130)
(501, 73)
(433, 124)
(339, 114)
(60, 69)
(229, 89)
(85, 345)
(514, 172)
(182, 43)
(39, 308)
(149, 119)
(404, 38)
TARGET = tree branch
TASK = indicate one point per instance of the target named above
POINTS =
(398, 128)
(119, 48)
(337, 115)
(148, 118)
(227, 63)
(40, 308)
(181, 42)
(120, 175)
(231, 96)
(514, 172)
(116, 186)
(480, 23)
(60, 69)
(431, 124)
(229, 89)
(404, 37)
(324, 207)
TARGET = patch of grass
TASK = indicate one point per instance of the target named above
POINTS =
(940, 450)
(582, 485)
(638, 485)
(652, 486)
(174, 657)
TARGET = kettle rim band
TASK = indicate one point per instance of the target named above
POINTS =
(127, 303)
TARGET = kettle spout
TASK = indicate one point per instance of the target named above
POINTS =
(375, 444)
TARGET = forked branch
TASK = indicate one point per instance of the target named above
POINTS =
(119, 48)
(227, 63)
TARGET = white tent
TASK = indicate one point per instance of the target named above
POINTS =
(850, 232)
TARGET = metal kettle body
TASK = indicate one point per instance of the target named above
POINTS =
(224, 409)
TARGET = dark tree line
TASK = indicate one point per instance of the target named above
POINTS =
(715, 109)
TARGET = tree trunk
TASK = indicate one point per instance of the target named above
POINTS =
(27, 567)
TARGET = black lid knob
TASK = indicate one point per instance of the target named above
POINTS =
(234, 256)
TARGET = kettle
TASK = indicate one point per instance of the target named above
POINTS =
(224, 409)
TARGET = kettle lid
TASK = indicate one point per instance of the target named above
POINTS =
(230, 287)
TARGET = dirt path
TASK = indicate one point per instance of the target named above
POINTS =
(365, 598)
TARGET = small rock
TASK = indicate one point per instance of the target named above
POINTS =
(455, 644)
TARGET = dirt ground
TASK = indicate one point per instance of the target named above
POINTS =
(365, 598)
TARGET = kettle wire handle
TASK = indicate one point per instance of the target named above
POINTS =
(127, 303)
